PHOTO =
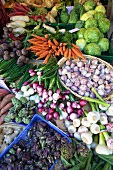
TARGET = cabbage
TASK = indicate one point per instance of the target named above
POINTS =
(89, 5)
(99, 15)
(92, 49)
(92, 35)
(91, 22)
(80, 33)
(104, 25)
(92, 12)
(85, 16)
(104, 44)
(100, 8)
(101, 35)
(81, 43)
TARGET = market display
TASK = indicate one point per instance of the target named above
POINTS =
(56, 104)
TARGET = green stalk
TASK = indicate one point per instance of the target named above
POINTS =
(92, 106)
(101, 139)
(85, 112)
(89, 160)
(106, 166)
(97, 95)
(96, 101)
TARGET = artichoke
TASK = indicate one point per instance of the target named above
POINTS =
(23, 100)
(67, 150)
(82, 150)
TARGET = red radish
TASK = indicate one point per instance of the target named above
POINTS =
(40, 110)
(49, 116)
(50, 110)
(56, 115)
(68, 118)
(58, 91)
(80, 112)
(73, 116)
(35, 85)
(53, 105)
(68, 103)
(26, 83)
(69, 109)
(78, 106)
(82, 103)
(32, 74)
(74, 105)
(39, 89)
(31, 71)
(61, 106)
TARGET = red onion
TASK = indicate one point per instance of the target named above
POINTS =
(80, 111)
(66, 92)
(31, 85)
(56, 115)
(69, 109)
(82, 103)
(74, 105)
(40, 105)
(35, 85)
(68, 62)
(53, 105)
(49, 116)
(31, 71)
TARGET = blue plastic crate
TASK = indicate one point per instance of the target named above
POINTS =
(23, 134)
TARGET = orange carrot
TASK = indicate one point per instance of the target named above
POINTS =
(50, 43)
(74, 56)
(75, 46)
(39, 37)
(47, 58)
(78, 53)
(61, 44)
(45, 43)
(66, 52)
(64, 43)
(44, 54)
(61, 50)
(55, 42)
(54, 47)
(58, 52)
(69, 54)
(40, 52)
(64, 48)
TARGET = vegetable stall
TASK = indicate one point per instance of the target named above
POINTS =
(56, 86)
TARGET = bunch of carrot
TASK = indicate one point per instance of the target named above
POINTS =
(43, 47)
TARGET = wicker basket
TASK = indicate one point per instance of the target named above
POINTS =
(63, 60)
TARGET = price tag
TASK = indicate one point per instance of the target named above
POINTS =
(3, 85)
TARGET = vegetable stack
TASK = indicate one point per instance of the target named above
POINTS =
(45, 48)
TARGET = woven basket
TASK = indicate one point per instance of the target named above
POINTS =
(63, 60)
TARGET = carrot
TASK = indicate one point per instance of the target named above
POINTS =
(45, 43)
(55, 42)
(54, 47)
(69, 54)
(78, 53)
(6, 100)
(61, 44)
(74, 56)
(75, 46)
(64, 48)
(47, 58)
(66, 52)
(3, 117)
(61, 50)
(40, 52)
(39, 37)
(44, 54)
(6, 108)
(50, 43)
(64, 43)
(35, 42)
(58, 52)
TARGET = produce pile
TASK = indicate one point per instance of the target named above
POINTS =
(66, 87)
